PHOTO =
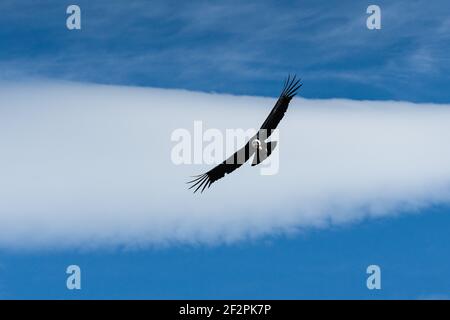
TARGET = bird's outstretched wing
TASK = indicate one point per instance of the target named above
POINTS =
(242, 155)
(232, 163)
(291, 86)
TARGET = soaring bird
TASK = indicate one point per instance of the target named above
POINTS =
(255, 144)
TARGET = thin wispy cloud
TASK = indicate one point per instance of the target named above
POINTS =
(90, 166)
(235, 47)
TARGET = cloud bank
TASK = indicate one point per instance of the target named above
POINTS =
(90, 166)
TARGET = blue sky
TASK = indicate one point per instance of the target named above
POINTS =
(238, 48)
(411, 250)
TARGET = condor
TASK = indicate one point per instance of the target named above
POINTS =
(256, 145)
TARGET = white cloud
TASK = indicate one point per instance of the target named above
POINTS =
(89, 165)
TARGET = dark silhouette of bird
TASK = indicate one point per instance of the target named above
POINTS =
(256, 144)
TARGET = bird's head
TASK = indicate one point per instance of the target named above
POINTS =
(256, 144)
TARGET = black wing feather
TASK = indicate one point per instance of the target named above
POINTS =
(289, 91)
(232, 163)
